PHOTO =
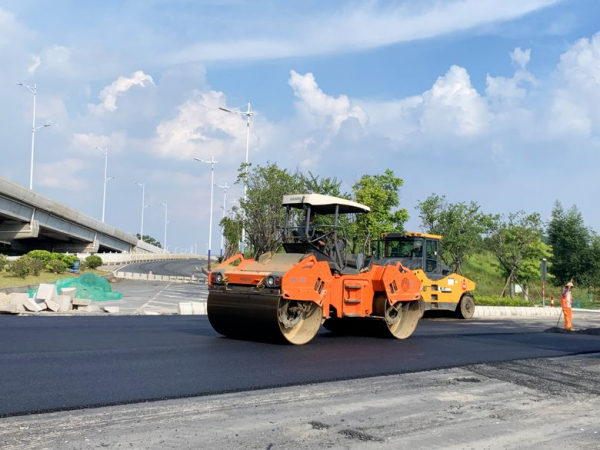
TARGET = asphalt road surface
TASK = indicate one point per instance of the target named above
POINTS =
(62, 363)
(179, 268)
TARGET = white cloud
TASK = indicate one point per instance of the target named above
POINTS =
(35, 63)
(89, 141)
(120, 86)
(453, 106)
(324, 109)
(371, 25)
(521, 57)
(62, 175)
(11, 30)
(511, 90)
(576, 103)
(200, 129)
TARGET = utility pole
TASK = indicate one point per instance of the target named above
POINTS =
(247, 114)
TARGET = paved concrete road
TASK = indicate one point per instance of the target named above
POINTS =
(141, 297)
(548, 404)
(179, 268)
(55, 363)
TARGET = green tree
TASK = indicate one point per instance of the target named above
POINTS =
(232, 232)
(462, 225)
(517, 243)
(260, 212)
(149, 240)
(575, 248)
(381, 194)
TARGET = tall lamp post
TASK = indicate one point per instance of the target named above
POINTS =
(144, 206)
(212, 163)
(247, 114)
(166, 222)
(33, 90)
(106, 178)
(224, 187)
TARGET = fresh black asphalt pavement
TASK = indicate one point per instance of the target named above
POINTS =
(61, 363)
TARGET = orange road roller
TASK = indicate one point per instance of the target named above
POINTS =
(286, 297)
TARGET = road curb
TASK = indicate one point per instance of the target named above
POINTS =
(522, 311)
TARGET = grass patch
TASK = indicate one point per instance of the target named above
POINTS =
(45, 277)
(483, 270)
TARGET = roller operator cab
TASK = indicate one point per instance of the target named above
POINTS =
(441, 288)
(287, 296)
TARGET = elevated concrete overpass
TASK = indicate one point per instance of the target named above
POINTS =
(30, 221)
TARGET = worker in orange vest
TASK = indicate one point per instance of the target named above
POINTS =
(566, 300)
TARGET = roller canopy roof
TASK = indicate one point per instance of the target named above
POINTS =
(323, 204)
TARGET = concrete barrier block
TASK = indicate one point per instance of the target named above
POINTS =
(18, 299)
(64, 302)
(111, 309)
(185, 308)
(9, 308)
(31, 305)
(52, 305)
(81, 302)
(199, 308)
(45, 292)
(70, 292)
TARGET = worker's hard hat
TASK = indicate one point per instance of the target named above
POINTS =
(569, 284)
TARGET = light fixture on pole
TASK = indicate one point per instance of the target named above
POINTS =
(212, 163)
(106, 178)
(33, 90)
(247, 114)
(166, 222)
(224, 187)
(144, 206)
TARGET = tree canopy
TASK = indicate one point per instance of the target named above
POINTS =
(462, 226)
(576, 249)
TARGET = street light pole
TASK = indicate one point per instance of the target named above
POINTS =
(106, 178)
(247, 114)
(166, 222)
(224, 187)
(33, 90)
(212, 163)
(144, 206)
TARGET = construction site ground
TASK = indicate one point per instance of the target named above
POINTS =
(549, 403)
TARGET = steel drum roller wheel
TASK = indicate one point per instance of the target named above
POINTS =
(263, 317)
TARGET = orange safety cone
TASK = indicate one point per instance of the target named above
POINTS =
(552, 302)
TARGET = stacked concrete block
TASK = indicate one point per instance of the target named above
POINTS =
(81, 302)
(70, 292)
(45, 292)
(111, 309)
(65, 303)
(31, 305)
(52, 305)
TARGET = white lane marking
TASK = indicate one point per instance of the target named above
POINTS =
(153, 298)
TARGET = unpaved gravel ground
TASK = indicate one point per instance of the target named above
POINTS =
(542, 403)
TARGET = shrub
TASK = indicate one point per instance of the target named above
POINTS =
(56, 266)
(67, 259)
(42, 255)
(3, 262)
(36, 266)
(20, 267)
(82, 266)
(93, 261)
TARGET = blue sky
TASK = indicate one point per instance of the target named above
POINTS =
(492, 101)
